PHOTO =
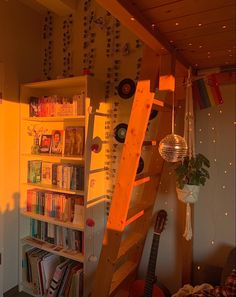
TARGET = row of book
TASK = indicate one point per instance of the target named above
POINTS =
(54, 106)
(69, 142)
(62, 207)
(50, 275)
(64, 176)
(64, 238)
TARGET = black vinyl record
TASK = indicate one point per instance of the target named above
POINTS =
(126, 88)
(120, 132)
(153, 114)
(140, 165)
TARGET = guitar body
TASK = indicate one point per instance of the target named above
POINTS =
(137, 290)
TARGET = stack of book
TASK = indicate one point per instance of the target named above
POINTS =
(50, 275)
(64, 238)
(64, 176)
(63, 207)
(56, 106)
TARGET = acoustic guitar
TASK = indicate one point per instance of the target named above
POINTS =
(148, 287)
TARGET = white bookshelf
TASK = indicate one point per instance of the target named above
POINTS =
(93, 121)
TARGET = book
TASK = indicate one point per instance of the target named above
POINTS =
(46, 173)
(34, 171)
(45, 144)
(57, 278)
(34, 106)
(57, 141)
(74, 141)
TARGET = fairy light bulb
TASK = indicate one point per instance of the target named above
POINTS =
(212, 242)
(226, 213)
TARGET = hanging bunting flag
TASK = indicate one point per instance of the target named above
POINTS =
(206, 91)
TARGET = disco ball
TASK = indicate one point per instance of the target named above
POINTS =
(173, 148)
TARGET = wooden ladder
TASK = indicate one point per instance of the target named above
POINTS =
(130, 217)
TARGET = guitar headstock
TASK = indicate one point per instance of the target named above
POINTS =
(160, 221)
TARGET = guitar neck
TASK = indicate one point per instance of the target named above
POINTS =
(150, 277)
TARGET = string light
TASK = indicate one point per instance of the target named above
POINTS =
(209, 114)
(198, 267)
(212, 242)
(225, 171)
(226, 214)
(214, 141)
(223, 187)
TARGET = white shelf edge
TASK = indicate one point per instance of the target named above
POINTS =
(51, 156)
(54, 119)
(53, 221)
(54, 189)
(59, 83)
(48, 247)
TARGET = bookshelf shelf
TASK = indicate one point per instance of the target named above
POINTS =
(54, 189)
(52, 248)
(78, 119)
(52, 220)
(49, 157)
(78, 167)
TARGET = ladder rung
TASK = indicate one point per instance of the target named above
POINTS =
(134, 217)
(142, 180)
(121, 275)
(149, 143)
(137, 209)
(129, 243)
(158, 102)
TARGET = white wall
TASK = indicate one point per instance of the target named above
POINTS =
(20, 51)
(214, 232)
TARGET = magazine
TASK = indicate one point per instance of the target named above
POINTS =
(57, 142)
(45, 144)
(74, 141)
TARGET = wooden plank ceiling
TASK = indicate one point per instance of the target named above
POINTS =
(201, 33)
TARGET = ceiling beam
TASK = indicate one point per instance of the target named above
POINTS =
(59, 7)
(131, 17)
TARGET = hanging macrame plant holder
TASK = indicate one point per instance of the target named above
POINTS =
(189, 193)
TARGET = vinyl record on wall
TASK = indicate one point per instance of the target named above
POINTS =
(126, 88)
(153, 114)
(140, 165)
(120, 132)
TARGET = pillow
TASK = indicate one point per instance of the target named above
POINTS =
(230, 264)
(227, 290)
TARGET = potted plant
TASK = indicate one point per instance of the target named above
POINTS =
(190, 174)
